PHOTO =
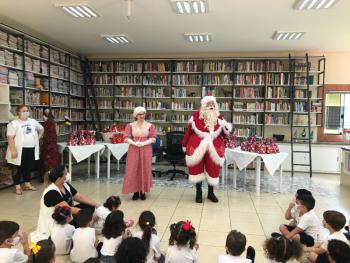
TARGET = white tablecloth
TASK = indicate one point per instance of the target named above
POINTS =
(118, 150)
(243, 159)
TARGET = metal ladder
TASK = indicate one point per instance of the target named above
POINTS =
(307, 128)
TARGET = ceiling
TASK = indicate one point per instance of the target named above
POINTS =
(236, 25)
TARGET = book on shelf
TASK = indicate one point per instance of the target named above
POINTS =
(10, 59)
(105, 91)
(217, 66)
(278, 79)
(221, 79)
(128, 67)
(16, 96)
(76, 64)
(277, 106)
(10, 40)
(156, 79)
(77, 90)
(248, 106)
(157, 117)
(101, 66)
(159, 105)
(36, 49)
(180, 118)
(76, 103)
(59, 57)
(276, 119)
(76, 115)
(102, 79)
(278, 65)
(224, 106)
(32, 97)
(59, 100)
(59, 72)
(128, 91)
(157, 67)
(188, 66)
(251, 79)
(37, 113)
(250, 66)
(246, 132)
(248, 92)
(124, 104)
(183, 106)
(302, 94)
(158, 92)
(77, 77)
(187, 80)
(59, 113)
(3, 132)
(128, 79)
(277, 92)
(302, 66)
(246, 119)
(206, 91)
(304, 80)
(58, 85)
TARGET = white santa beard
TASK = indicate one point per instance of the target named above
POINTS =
(210, 117)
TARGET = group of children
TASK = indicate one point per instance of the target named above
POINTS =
(103, 235)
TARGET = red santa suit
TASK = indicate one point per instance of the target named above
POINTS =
(205, 148)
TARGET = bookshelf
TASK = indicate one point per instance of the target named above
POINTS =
(257, 94)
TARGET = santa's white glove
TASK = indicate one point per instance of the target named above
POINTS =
(228, 127)
(129, 141)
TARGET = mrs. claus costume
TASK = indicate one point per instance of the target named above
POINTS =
(205, 147)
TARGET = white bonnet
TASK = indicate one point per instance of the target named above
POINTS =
(139, 110)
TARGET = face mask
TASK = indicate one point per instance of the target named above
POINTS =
(15, 241)
(25, 114)
(67, 178)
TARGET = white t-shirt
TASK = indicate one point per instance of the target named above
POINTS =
(83, 244)
(176, 254)
(336, 235)
(232, 259)
(110, 246)
(102, 213)
(271, 261)
(12, 255)
(29, 129)
(310, 224)
(154, 250)
(62, 238)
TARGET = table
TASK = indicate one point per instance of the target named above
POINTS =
(118, 151)
(81, 152)
(242, 159)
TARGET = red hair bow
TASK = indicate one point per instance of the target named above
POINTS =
(187, 225)
(66, 208)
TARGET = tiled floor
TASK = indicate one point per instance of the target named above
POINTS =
(255, 216)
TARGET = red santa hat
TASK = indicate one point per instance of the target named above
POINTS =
(207, 99)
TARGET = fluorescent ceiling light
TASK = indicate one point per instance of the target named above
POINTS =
(188, 7)
(198, 37)
(116, 39)
(81, 10)
(287, 35)
(314, 4)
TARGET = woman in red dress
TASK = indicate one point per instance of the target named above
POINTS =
(49, 151)
(140, 134)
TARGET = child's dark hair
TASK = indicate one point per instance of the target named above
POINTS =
(235, 243)
(281, 249)
(61, 214)
(7, 229)
(303, 191)
(147, 221)
(335, 219)
(84, 216)
(112, 201)
(131, 250)
(114, 225)
(181, 236)
(308, 201)
(339, 251)
(46, 251)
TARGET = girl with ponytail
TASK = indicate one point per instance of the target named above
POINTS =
(147, 221)
(280, 250)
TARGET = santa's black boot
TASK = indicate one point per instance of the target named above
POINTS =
(199, 198)
(211, 195)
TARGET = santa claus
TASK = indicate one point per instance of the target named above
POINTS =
(204, 146)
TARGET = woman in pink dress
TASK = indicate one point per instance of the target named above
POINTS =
(140, 134)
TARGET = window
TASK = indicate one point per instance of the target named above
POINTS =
(337, 112)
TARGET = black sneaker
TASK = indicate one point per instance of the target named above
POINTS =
(275, 234)
(213, 198)
(251, 253)
(143, 196)
(135, 196)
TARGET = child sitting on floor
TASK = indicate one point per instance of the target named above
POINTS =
(309, 226)
(280, 250)
(338, 251)
(182, 243)
(10, 236)
(334, 221)
(292, 212)
(84, 238)
(62, 231)
(235, 246)
(112, 203)
(43, 252)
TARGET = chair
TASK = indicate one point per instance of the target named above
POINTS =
(156, 151)
(174, 153)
